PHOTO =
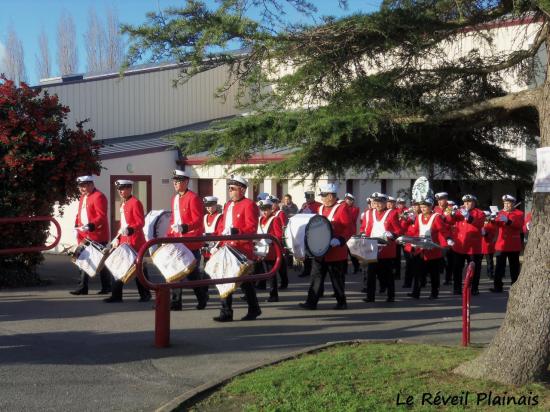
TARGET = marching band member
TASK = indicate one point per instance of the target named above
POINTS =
(406, 220)
(391, 203)
(281, 215)
(354, 212)
(488, 238)
(444, 209)
(510, 224)
(363, 223)
(335, 261)
(466, 242)
(187, 221)
(431, 225)
(92, 222)
(396, 265)
(310, 206)
(132, 220)
(382, 222)
(211, 220)
(240, 216)
(271, 224)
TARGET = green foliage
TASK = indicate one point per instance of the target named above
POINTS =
(360, 377)
(40, 158)
(360, 82)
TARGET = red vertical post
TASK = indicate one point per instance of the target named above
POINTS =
(466, 293)
(162, 318)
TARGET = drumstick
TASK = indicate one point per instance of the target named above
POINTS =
(109, 245)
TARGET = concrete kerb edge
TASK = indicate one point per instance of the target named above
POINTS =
(199, 392)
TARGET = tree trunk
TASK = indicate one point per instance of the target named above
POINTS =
(520, 351)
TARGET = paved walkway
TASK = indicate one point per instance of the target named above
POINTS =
(64, 352)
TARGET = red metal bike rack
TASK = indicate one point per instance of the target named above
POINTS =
(28, 219)
(162, 300)
(466, 292)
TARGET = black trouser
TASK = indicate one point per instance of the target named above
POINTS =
(201, 292)
(423, 268)
(449, 265)
(382, 269)
(144, 293)
(490, 265)
(251, 298)
(354, 262)
(337, 273)
(459, 260)
(409, 270)
(513, 261)
(265, 266)
(307, 267)
(104, 276)
(397, 263)
(283, 272)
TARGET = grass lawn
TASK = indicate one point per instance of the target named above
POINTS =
(369, 377)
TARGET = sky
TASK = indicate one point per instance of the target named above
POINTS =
(29, 17)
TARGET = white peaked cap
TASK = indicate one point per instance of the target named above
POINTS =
(441, 194)
(265, 202)
(469, 197)
(84, 179)
(400, 200)
(508, 198)
(238, 180)
(179, 174)
(210, 199)
(328, 188)
(377, 196)
(122, 182)
(349, 195)
(391, 199)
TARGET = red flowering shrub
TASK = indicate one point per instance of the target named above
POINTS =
(40, 158)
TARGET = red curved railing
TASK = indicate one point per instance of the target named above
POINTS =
(466, 293)
(29, 219)
(162, 300)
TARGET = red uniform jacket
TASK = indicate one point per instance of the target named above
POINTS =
(245, 219)
(354, 212)
(341, 223)
(467, 234)
(275, 229)
(391, 225)
(439, 232)
(488, 240)
(96, 208)
(312, 207)
(281, 215)
(191, 210)
(447, 218)
(133, 213)
(509, 233)
(211, 225)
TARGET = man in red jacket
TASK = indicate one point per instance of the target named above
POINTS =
(132, 220)
(283, 218)
(187, 221)
(354, 213)
(240, 217)
(510, 225)
(488, 239)
(271, 224)
(310, 206)
(381, 222)
(335, 261)
(92, 223)
(212, 220)
(469, 221)
(445, 209)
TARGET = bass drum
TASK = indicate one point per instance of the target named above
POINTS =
(308, 235)
(156, 225)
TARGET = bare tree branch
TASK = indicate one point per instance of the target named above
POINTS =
(14, 64)
(94, 42)
(67, 54)
(43, 61)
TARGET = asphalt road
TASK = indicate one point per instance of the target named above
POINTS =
(64, 352)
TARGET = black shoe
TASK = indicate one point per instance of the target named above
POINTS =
(79, 292)
(202, 304)
(303, 275)
(364, 290)
(432, 297)
(405, 286)
(496, 290)
(307, 306)
(475, 292)
(223, 318)
(112, 299)
(382, 290)
(390, 300)
(103, 292)
(340, 306)
(412, 295)
(177, 306)
(283, 286)
(272, 299)
(145, 298)
(368, 300)
(252, 315)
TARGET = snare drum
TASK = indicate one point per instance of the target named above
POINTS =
(90, 257)
(121, 262)
(174, 261)
(156, 225)
(227, 262)
(308, 235)
(364, 249)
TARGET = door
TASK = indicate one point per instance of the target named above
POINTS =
(141, 190)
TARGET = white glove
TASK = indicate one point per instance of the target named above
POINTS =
(177, 228)
(85, 228)
(227, 232)
(483, 231)
(464, 213)
(124, 231)
(450, 242)
(114, 243)
(503, 218)
(75, 232)
(399, 240)
(334, 242)
(528, 226)
(388, 235)
(213, 250)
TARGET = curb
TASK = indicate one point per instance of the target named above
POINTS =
(201, 391)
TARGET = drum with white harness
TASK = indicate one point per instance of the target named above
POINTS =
(308, 235)
(90, 256)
